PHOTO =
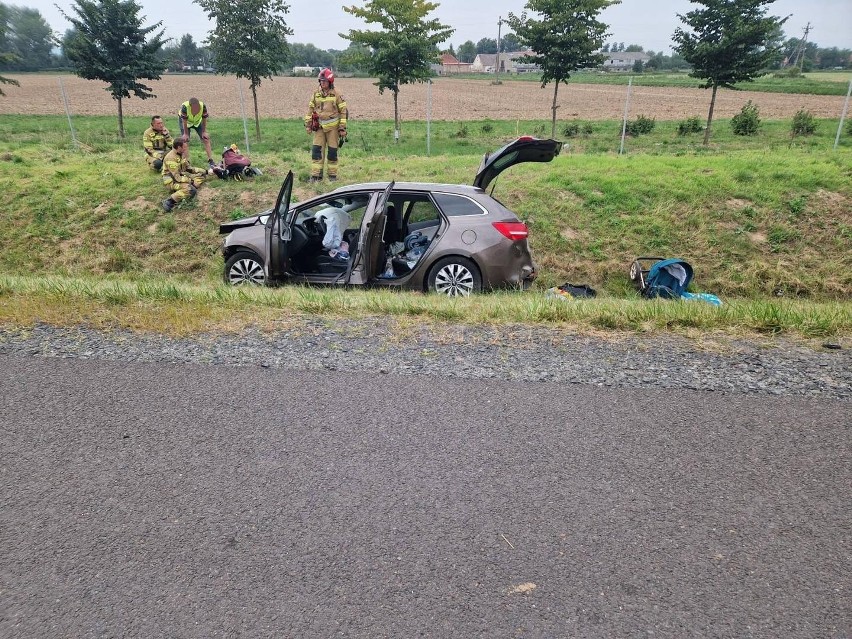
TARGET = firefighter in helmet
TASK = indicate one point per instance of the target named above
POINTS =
(326, 121)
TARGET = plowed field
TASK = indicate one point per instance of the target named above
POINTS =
(452, 99)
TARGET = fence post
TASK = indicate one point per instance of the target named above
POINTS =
(68, 114)
(624, 119)
(843, 115)
(429, 117)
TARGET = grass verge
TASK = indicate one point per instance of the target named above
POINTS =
(175, 308)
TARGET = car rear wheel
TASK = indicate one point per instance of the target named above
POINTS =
(244, 268)
(455, 276)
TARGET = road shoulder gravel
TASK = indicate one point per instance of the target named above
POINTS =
(516, 353)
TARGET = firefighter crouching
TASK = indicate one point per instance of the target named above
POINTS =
(157, 141)
(179, 176)
(326, 120)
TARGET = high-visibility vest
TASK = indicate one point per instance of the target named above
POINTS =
(193, 120)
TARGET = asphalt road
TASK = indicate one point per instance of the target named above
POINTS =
(151, 500)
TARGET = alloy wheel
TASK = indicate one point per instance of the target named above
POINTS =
(454, 279)
(246, 271)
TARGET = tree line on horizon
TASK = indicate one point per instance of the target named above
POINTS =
(723, 42)
(27, 44)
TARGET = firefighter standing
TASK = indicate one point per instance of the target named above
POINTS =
(326, 120)
(157, 141)
(179, 176)
(193, 116)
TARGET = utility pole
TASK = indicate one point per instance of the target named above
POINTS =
(800, 50)
(497, 63)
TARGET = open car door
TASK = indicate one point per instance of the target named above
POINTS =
(371, 250)
(524, 149)
(278, 233)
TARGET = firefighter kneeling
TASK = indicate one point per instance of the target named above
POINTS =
(179, 176)
(326, 120)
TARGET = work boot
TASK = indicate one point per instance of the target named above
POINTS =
(168, 204)
(211, 163)
(316, 178)
(332, 178)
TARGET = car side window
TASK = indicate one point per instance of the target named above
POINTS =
(423, 211)
(457, 205)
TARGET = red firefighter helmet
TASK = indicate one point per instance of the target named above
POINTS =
(327, 74)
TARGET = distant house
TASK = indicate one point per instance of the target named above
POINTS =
(484, 63)
(305, 71)
(623, 60)
(522, 67)
(450, 65)
(509, 63)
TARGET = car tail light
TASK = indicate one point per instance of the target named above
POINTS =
(513, 230)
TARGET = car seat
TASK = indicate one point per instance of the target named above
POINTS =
(393, 226)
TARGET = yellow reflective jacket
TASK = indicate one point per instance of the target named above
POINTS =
(176, 168)
(193, 120)
(156, 142)
(330, 107)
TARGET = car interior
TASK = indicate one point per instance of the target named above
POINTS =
(307, 254)
(411, 223)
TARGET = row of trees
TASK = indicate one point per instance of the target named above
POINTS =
(26, 40)
(27, 43)
(724, 41)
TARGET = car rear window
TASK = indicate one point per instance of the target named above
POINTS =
(457, 205)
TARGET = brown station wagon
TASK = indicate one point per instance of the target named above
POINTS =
(447, 238)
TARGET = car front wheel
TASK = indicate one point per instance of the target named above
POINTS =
(244, 268)
(455, 276)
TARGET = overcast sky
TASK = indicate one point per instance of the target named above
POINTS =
(649, 23)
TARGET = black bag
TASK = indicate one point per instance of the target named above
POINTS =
(578, 290)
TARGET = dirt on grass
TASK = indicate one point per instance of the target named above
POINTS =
(452, 99)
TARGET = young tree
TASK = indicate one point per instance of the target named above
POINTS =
(567, 38)
(728, 42)
(249, 40)
(109, 43)
(402, 51)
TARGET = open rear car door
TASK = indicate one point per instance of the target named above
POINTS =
(524, 149)
(278, 233)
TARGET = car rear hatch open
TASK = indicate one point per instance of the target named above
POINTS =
(524, 149)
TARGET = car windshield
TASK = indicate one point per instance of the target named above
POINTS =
(353, 205)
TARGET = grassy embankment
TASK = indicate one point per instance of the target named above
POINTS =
(766, 222)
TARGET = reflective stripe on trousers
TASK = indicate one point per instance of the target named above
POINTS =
(323, 139)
